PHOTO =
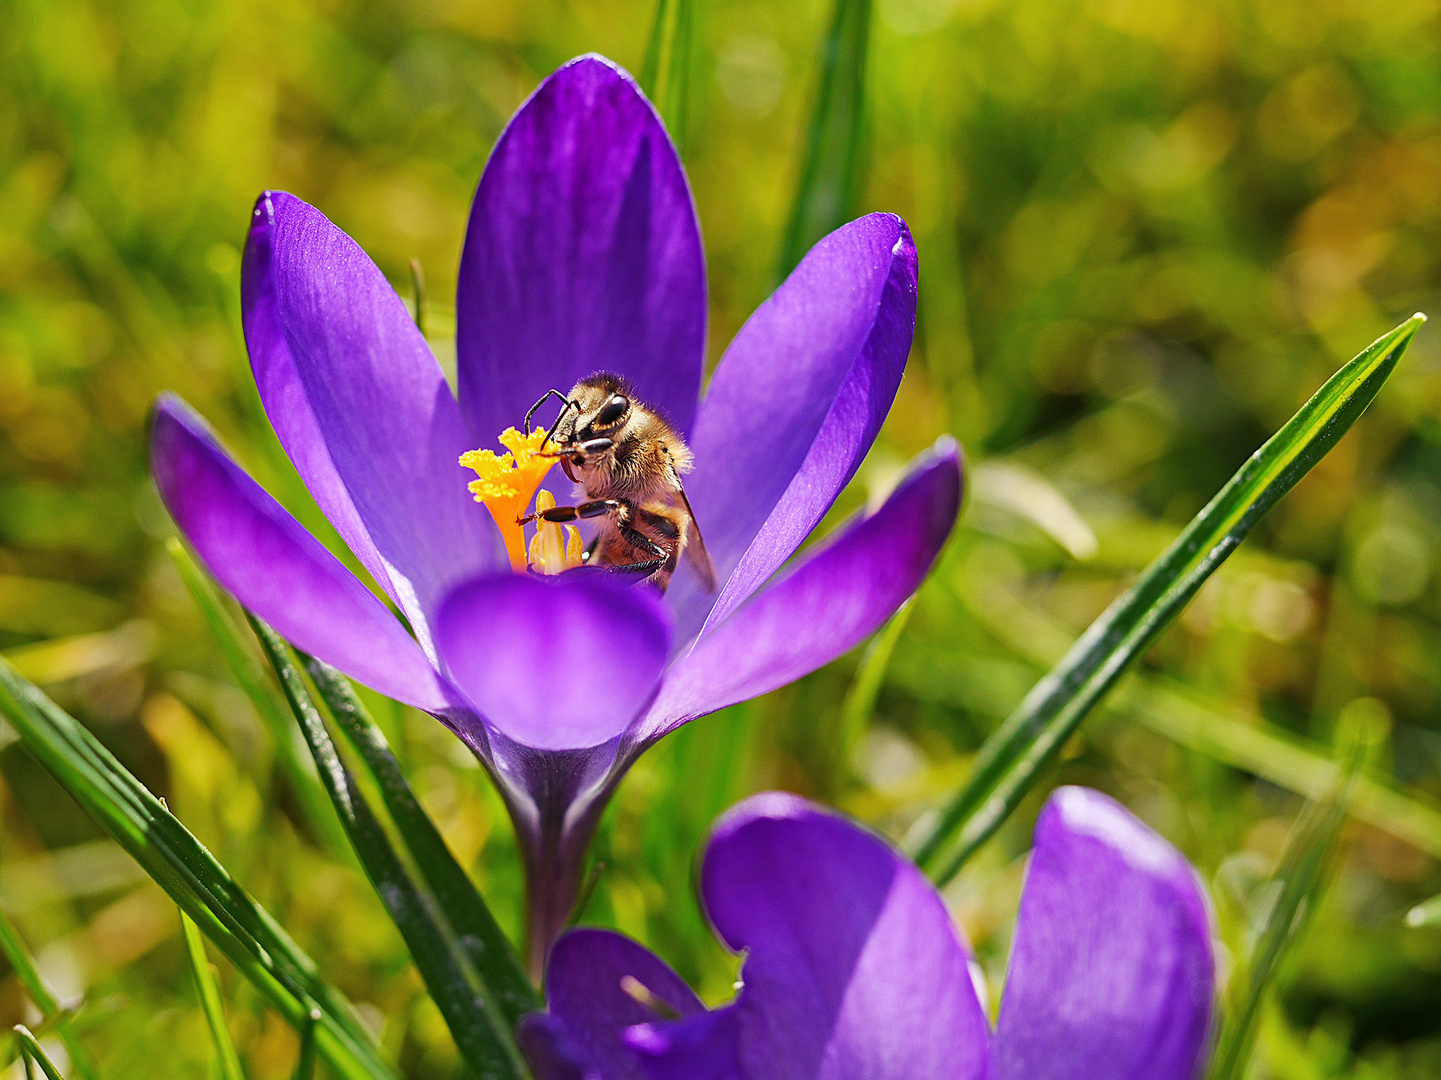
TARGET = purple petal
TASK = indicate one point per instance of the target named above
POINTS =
(827, 604)
(584, 989)
(551, 1051)
(1111, 974)
(705, 1047)
(278, 570)
(554, 664)
(361, 406)
(853, 967)
(583, 254)
(795, 404)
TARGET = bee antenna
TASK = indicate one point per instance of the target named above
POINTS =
(551, 433)
(543, 398)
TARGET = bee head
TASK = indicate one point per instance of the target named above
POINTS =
(603, 406)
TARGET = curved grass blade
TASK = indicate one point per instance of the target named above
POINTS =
(476, 1023)
(238, 658)
(21, 963)
(831, 173)
(1016, 754)
(665, 73)
(184, 868)
(1297, 886)
(34, 1055)
(226, 1057)
(490, 951)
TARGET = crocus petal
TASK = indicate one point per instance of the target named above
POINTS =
(1111, 974)
(705, 1047)
(361, 406)
(278, 570)
(585, 985)
(831, 601)
(853, 967)
(795, 404)
(583, 254)
(551, 1051)
(554, 664)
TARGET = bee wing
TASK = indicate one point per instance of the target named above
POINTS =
(695, 548)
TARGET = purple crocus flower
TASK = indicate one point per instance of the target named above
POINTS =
(853, 967)
(583, 254)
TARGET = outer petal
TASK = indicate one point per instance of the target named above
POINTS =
(1111, 975)
(853, 966)
(823, 607)
(277, 569)
(554, 664)
(795, 404)
(583, 985)
(583, 254)
(361, 406)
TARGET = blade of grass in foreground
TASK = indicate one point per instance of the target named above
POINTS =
(476, 1023)
(831, 173)
(184, 868)
(490, 951)
(1239, 738)
(665, 73)
(21, 963)
(1296, 887)
(1016, 754)
(226, 1057)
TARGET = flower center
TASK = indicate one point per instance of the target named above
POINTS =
(504, 484)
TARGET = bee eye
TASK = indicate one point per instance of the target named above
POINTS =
(611, 411)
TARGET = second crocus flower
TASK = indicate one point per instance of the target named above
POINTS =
(853, 967)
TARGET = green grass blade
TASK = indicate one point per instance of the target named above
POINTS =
(226, 1056)
(665, 72)
(655, 48)
(860, 700)
(34, 1055)
(831, 173)
(1236, 737)
(305, 1062)
(491, 952)
(1017, 753)
(294, 762)
(15, 952)
(476, 1023)
(194, 879)
(1426, 914)
(13, 946)
(1297, 884)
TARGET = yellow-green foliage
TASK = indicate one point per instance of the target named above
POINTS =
(1148, 229)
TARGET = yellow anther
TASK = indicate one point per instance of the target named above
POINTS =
(554, 548)
(504, 483)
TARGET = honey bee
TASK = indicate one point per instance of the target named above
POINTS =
(630, 461)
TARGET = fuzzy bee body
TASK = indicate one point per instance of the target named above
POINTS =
(630, 461)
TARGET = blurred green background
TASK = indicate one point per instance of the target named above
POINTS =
(1148, 229)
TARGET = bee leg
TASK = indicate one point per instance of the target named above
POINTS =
(558, 514)
(640, 571)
